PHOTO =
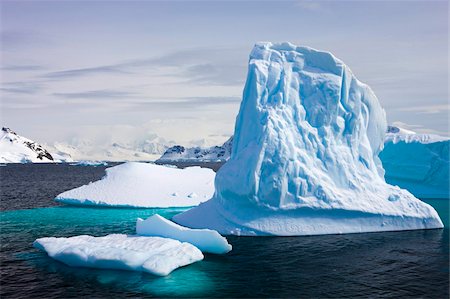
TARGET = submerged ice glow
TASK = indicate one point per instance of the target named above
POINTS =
(305, 155)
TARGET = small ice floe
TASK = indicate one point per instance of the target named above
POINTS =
(155, 255)
(205, 239)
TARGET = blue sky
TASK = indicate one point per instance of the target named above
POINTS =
(110, 70)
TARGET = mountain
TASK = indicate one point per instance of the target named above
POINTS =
(17, 149)
(210, 154)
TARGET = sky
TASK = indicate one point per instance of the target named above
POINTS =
(120, 71)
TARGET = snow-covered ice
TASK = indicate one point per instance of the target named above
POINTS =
(155, 255)
(145, 185)
(305, 155)
(417, 162)
(204, 239)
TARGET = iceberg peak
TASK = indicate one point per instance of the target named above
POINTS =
(305, 155)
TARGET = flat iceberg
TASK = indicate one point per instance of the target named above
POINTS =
(417, 162)
(158, 256)
(305, 155)
(89, 163)
(204, 239)
(145, 185)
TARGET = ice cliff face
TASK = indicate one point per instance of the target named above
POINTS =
(17, 149)
(305, 154)
(417, 162)
(214, 153)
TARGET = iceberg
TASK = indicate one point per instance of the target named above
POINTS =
(145, 185)
(158, 256)
(89, 163)
(204, 239)
(305, 159)
(417, 162)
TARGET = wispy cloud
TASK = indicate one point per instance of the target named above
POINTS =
(23, 68)
(22, 87)
(200, 66)
(97, 94)
(111, 69)
(428, 109)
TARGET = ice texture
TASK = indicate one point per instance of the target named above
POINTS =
(417, 162)
(204, 239)
(145, 185)
(155, 255)
(305, 155)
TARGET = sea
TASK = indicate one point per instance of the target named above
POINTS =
(389, 264)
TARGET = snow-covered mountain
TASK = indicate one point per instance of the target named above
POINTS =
(109, 152)
(210, 154)
(17, 149)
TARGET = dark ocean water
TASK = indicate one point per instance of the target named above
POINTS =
(396, 264)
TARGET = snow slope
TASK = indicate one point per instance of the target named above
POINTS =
(17, 149)
(204, 239)
(305, 155)
(145, 185)
(211, 154)
(417, 162)
(158, 256)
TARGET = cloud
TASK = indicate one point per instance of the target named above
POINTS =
(85, 71)
(97, 94)
(214, 66)
(428, 109)
(309, 5)
(22, 68)
(22, 87)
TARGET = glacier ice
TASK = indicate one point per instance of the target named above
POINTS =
(204, 239)
(305, 155)
(417, 162)
(155, 255)
(145, 185)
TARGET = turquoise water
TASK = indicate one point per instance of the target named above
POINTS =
(413, 263)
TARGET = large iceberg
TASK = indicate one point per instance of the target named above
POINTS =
(145, 185)
(155, 255)
(305, 155)
(204, 239)
(417, 162)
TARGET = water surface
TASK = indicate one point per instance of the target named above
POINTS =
(412, 263)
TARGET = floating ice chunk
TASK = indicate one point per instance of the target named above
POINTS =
(155, 255)
(89, 163)
(145, 185)
(304, 159)
(205, 239)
